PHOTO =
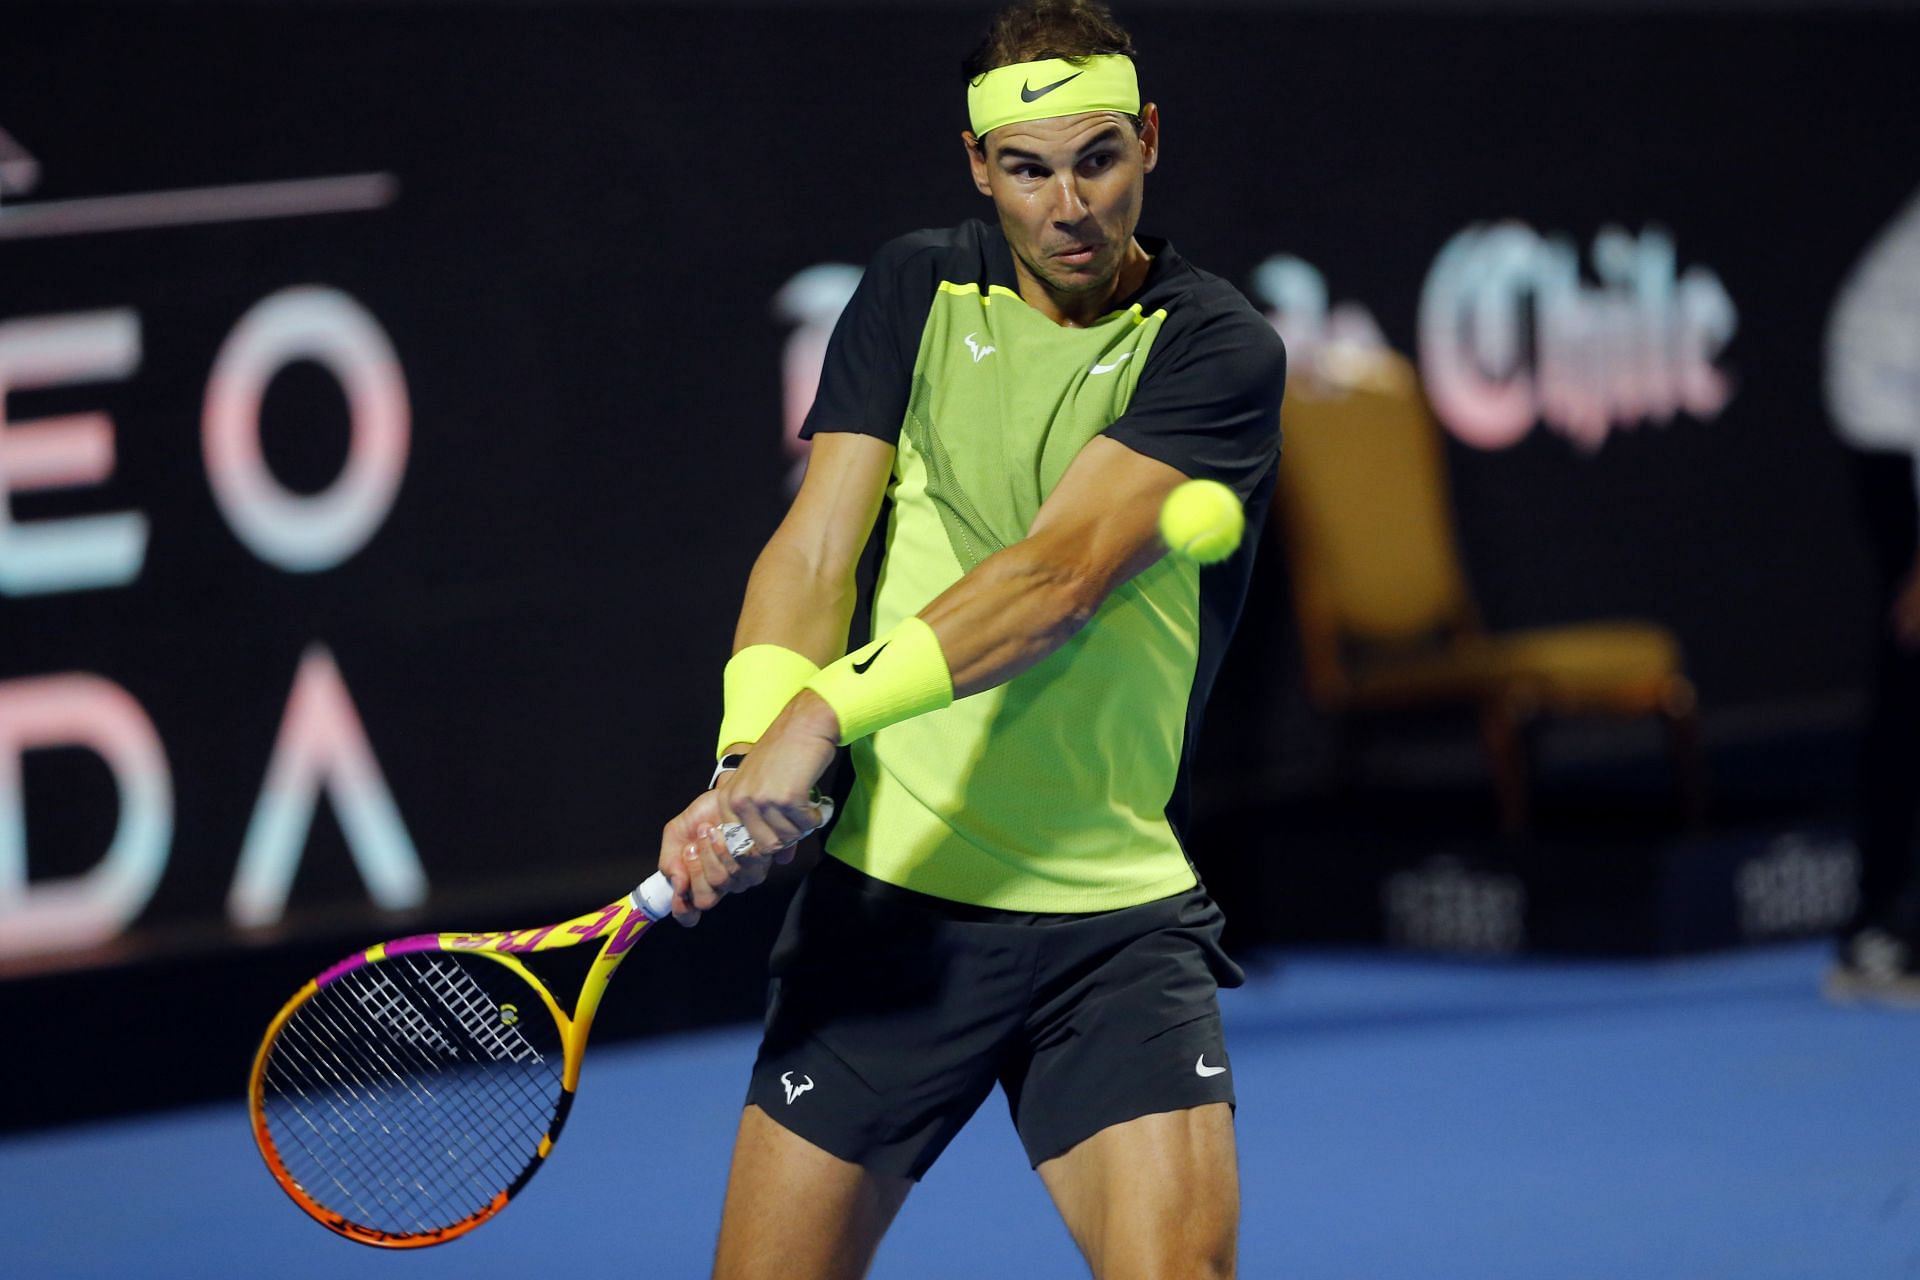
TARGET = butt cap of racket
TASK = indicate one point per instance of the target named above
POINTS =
(655, 896)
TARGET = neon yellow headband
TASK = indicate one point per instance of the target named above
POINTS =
(1052, 87)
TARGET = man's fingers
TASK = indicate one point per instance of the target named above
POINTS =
(763, 838)
(709, 875)
(703, 865)
(725, 871)
(776, 830)
(776, 826)
(670, 866)
(699, 893)
(684, 912)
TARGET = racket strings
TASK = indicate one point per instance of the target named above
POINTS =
(477, 1012)
(404, 1096)
(354, 1071)
(361, 1080)
(417, 1062)
(354, 1085)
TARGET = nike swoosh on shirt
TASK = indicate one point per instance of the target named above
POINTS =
(1109, 368)
(1034, 95)
(860, 668)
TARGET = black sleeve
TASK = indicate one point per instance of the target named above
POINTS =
(1208, 403)
(868, 371)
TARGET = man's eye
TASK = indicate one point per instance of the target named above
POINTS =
(1098, 160)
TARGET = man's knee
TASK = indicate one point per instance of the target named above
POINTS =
(1154, 1197)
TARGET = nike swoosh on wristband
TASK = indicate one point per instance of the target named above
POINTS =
(1034, 95)
(860, 668)
(1200, 1067)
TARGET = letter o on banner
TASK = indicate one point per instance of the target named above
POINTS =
(297, 532)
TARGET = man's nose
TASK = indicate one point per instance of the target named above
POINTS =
(1069, 205)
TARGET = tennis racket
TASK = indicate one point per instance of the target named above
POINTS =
(406, 1094)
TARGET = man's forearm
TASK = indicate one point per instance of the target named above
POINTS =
(1017, 607)
(800, 595)
(797, 603)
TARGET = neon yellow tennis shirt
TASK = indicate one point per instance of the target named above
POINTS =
(1063, 790)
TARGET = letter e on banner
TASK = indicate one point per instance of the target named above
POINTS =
(91, 712)
(80, 553)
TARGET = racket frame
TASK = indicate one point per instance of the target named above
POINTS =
(621, 923)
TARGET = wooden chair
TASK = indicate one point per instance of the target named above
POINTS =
(1386, 617)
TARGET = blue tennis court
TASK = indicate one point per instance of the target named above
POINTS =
(1400, 1118)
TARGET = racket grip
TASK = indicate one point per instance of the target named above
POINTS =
(739, 843)
(655, 894)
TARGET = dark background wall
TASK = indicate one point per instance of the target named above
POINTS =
(593, 207)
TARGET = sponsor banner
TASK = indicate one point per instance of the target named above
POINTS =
(392, 402)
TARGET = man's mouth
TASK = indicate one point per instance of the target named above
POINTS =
(1078, 255)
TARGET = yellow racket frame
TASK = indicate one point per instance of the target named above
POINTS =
(621, 923)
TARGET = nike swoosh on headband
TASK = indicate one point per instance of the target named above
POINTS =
(1034, 95)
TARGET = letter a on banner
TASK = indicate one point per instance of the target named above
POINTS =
(322, 744)
(97, 714)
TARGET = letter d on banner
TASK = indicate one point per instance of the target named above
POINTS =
(81, 711)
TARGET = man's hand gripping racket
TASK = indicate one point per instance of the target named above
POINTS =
(404, 1095)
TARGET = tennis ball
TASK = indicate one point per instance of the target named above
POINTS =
(1202, 521)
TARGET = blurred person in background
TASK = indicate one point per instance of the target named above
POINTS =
(1873, 385)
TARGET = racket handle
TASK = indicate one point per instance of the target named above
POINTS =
(655, 894)
(739, 843)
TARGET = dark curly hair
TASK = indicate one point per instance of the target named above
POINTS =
(1034, 29)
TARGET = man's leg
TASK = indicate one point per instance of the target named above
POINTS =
(798, 1213)
(1157, 1196)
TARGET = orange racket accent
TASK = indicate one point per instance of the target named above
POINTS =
(402, 1097)
(406, 1094)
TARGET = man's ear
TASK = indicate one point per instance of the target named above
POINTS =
(976, 161)
(1149, 137)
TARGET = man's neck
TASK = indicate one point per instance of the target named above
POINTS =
(1078, 310)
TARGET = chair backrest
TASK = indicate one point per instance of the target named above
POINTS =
(1366, 519)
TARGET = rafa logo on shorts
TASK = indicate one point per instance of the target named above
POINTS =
(794, 1090)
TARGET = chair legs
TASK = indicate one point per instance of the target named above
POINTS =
(1679, 711)
(1507, 722)
(1504, 732)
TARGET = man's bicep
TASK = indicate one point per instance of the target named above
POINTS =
(1106, 510)
(833, 513)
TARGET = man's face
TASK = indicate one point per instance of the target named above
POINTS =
(1068, 191)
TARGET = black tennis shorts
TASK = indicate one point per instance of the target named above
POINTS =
(891, 1014)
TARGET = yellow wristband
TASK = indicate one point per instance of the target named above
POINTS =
(759, 682)
(901, 675)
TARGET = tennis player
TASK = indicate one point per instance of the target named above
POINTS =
(1006, 897)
